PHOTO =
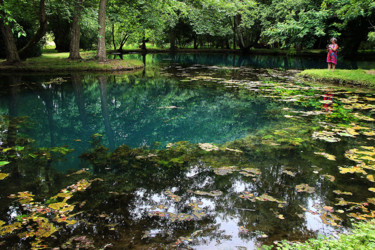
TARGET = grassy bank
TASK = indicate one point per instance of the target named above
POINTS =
(362, 237)
(59, 62)
(341, 76)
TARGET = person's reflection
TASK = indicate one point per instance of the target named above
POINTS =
(328, 101)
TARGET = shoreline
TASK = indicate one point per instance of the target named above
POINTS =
(276, 52)
(59, 63)
(356, 77)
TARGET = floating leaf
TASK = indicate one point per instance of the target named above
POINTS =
(329, 177)
(3, 176)
(290, 173)
(328, 156)
(254, 171)
(372, 189)
(370, 178)
(208, 147)
(328, 208)
(211, 193)
(247, 196)
(225, 170)
(174, 197)
(233, 150)
(305, 188)
(352, 170)
(281, 217)
(338, 192)
(3, 163)
(266, 197)
(325, 136)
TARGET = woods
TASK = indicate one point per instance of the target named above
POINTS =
(281, 24)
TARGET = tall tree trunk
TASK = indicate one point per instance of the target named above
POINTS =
(113, 36)
(172, 39)
(143, 46)
(76, 32)
(39, 34)
(123, 41)
(234, 33)
(102, 55)
(195, 41)
(10, 44)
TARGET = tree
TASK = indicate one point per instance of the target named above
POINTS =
(40, 32)
(102, 55)
(298, 25)
(355, 19)
(10, 45)
(76, 32)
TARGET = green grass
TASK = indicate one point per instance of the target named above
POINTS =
(342, 76)
(362, 237)
(51, 61)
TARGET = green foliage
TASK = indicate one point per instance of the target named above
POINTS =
(362, 237)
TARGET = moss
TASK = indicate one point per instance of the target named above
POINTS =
(356, 77)
(59, 62)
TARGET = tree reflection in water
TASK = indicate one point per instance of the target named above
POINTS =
(152, 194)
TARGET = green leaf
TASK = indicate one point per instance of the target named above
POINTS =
(3, 163)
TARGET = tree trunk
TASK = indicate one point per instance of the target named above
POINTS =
(195, 41)
(143, 46)
(123, 41)
(60, 28)
(10, 44)
(76, 32)
(102, 55)
(234, 33)
(39, 34)
(113, 36)
(172, 40)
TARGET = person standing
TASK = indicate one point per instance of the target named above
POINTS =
(332, 54)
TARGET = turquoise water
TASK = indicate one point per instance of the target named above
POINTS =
(261, 160)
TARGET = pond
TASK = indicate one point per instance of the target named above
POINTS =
(182, 155)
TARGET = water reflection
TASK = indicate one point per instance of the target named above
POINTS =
(131, 110)
(242, 194)
(253, 61)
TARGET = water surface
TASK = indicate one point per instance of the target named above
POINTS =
(217, 156)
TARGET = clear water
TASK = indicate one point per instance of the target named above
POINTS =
(264, 122)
